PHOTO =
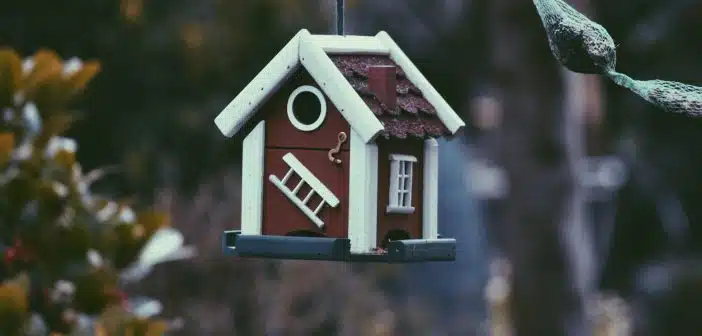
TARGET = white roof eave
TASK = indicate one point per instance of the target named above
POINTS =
(312, 52)
(338, 89)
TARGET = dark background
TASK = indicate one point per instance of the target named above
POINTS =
(169, 66)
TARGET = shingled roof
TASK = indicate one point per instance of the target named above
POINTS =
(413, 116)
(343, 61)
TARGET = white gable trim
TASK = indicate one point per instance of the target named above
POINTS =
(446, 114)
(344, 44)
(266, 83)
(252, 180)
(312, 51)
(430, 213)
(363, 194)
(338, 89)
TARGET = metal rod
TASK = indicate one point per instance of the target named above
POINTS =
(340, 17)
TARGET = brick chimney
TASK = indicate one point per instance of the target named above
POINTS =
(382, 81)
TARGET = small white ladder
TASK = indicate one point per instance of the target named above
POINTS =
(316, 186)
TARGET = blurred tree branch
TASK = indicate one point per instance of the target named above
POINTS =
(535, 154)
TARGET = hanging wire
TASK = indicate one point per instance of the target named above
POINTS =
(340, 17)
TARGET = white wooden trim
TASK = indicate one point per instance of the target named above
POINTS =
(430, 202)
(338, 89)
(252, 180)
(363, 194)
(393, 185)
(267, 82)
(322, 108)
(447, 115)
(400, 210)
(395, 206)
(403, 157)
(312, 52)
(308, 177)
(300, 204)
(350, 44)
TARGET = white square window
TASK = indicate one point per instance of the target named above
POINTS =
(400, 201)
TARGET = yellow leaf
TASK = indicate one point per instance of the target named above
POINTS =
(22, 282)
(153, 220)
(13, 306)
(99, 330)
(144, 327)
(132, 9)
(156, 328)
(193, 36)
(113, 321)
(65, 158)
(7, 144)
(138, 231)
(80, 79)
(54, 125)
(47, 67)
(10, 70)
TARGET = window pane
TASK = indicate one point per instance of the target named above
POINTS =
(402, 183)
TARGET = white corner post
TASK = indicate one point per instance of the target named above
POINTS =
(363, 194)
(430, 202)
(252, 183)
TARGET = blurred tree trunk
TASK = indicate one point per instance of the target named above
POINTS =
(534, 152)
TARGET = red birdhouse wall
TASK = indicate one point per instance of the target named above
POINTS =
(281, 215)
(396, 226)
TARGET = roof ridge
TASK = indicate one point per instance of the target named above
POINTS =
(314, 53)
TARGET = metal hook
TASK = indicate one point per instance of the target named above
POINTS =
(340, 141)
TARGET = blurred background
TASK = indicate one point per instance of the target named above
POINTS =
(573, 201)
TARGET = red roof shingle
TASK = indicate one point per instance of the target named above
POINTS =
(414, 116)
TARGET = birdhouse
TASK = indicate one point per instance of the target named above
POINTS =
(340, 157)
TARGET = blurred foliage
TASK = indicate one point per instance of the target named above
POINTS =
(169, 66)
(244, 296)
(64, 249)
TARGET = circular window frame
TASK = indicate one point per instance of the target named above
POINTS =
(322, 109)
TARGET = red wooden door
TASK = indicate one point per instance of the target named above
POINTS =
(283, 215)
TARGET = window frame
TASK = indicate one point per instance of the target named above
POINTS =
(401, 184)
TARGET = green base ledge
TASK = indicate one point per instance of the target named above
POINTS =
(335, 249)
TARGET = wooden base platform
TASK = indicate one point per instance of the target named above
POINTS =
(335, 249)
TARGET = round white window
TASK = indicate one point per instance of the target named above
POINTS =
(307, 108)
